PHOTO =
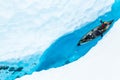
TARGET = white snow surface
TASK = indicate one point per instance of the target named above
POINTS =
(100, 63)
(30, 26)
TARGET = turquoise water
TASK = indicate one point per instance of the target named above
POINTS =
(65, 49)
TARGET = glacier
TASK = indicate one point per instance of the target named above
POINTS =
(39, 35)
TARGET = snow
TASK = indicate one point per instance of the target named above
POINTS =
(33, 25)
(100, 63)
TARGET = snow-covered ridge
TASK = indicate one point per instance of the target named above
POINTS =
(30, 26)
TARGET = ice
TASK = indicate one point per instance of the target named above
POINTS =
(31, 26)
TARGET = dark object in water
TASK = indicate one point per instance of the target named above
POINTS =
(96, 32)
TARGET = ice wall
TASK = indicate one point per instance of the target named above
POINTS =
(31, 26)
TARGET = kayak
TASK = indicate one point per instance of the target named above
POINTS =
(96, 32)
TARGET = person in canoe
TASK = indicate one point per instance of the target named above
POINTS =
(98, 31)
